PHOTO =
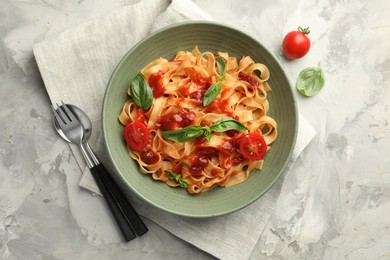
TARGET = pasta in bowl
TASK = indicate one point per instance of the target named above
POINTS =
(207, 124)
(219, 120)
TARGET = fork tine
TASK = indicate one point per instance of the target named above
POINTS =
(62, 114)
(68, 112)
(57, 117)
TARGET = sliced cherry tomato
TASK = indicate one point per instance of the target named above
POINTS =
(253, 147)
(136, 135)
(296, 43)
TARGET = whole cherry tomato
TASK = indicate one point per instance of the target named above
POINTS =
(296, 43)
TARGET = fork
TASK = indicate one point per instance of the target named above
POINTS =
(67, 124)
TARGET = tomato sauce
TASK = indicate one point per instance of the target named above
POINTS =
(201, 158)
(226, 164)
(231, 133)
(156, 83)
(237, 160)
(200, 141)
(249, 79)
(175, 121)
(209, 152)
(140, 114)
(198, 163)
(202, 81)
(149, 157)
(231, 145)
(201, 86)
(198, 95)
(178, 168)
(185, 90)
(227, 147)
(221, 106)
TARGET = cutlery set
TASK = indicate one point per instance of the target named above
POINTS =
(74, 126)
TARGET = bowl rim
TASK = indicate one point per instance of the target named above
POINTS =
(124, 182)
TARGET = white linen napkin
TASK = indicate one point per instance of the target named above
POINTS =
(76, 66)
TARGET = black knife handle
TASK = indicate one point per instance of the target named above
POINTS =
(116, 211)
(132, 216)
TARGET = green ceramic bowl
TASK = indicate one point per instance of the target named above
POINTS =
(208, 36)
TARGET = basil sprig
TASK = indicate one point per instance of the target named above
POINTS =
(185, 134)
(226, 124)
(214, 90)
(310, 81)
(190, 133)
(141, 92)
(178, 178)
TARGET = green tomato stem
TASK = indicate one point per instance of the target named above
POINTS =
(304, 30)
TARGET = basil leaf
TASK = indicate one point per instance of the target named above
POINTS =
(183, 183)
(211, 93)
(310, 81)
(178, 178)
(185, 134)
(141, 92)
(190, 133)
(221, 67)
(207, 133)
(226, 124)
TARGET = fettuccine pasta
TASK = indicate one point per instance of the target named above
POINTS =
(179, 90)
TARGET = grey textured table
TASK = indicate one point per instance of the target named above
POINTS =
(334, 204)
